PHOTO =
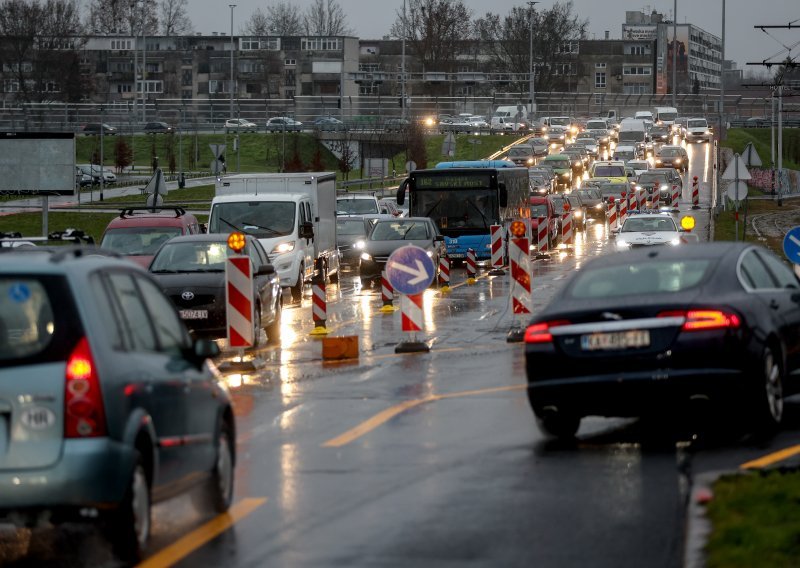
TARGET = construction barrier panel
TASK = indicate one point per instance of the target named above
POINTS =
(319, 306)
(611, 215)
(239, 301)
(472, 266)
(566, 228)
(695, 194)
(387, 294)
(497, 246)
(411, 310)
(520, 276)
(444, 272)
(676, 195)
(543, 235)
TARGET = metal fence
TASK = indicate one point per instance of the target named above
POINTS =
(210, 114)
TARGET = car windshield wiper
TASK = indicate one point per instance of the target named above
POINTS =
(231, 225)
(163, 271)
(435, 205)
(248, 224)
(483, 217)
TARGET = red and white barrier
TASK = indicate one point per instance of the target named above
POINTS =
(641, 196)
(520, 276)
(676, 195)
(472, 266)
(411, 310)
(387, 295)
(497, 245)
(239, 301)
(611, 215)
(566, 228)
(444, 272)
(655, 198)
(623, 209)
(543, 235)
(695, 194)
(319, 306)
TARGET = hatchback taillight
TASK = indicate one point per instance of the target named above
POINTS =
(540, 332)
(84, 413)
(701, 320)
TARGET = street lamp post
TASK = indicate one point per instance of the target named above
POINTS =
(102, 173)
(403, 67)
(674, 52)
(531, 92)
(232, 6)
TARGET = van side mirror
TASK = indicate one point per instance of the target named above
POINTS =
(503, 194)
(306, 231)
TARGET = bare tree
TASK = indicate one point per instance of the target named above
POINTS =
(326, 18)
(174, 19)
(435, 30)
(114, 17)
(39, 49)
(280, 19)
(508, 41)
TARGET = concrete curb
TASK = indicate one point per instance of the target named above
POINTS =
(698, 526)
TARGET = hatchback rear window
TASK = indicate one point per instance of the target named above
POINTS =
(653, 277)
(26, 318)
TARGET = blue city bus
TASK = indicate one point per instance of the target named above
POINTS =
(465, 198)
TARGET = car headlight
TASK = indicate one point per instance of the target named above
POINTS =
(360, 245)
(675, 242)
(429, 253)
(578, 213)
(658, 160)
(283, 248)
(565, 174)
(622, 245)
(366, 256)
(677, 160)
(530, 160)
(708, 132)
(598, 206)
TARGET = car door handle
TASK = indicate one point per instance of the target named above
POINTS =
(774, 304)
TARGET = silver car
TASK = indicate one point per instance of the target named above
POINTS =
(106, 404)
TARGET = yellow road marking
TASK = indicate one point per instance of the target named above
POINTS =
(386, 415)
(772, 458)
(198, 537)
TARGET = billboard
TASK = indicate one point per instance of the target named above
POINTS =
(37, 163)
(679, 46)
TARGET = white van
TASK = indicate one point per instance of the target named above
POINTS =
(633, 132)
(665, 116)
(508, 117)
(646, 116)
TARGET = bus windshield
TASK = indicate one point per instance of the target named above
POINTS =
(461, 209)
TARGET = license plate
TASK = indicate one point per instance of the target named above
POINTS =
(194, 314)
(455, 255)
(616, 340)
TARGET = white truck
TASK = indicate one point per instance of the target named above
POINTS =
(293, 215)
(508, 118)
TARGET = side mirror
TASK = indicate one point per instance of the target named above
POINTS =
(401, 192)
(503, 194)
(203, 227)
(266, 270)
(201, 350)
(306, 231)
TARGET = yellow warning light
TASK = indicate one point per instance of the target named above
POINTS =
(236, 242)
(517, 229)
(687, 223)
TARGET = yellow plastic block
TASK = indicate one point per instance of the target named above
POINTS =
(345, 347)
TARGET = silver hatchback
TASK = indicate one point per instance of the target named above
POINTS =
(106, 404)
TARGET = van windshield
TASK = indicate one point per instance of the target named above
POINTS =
(262, 219)
(559, 121)
(668, 116)
(700, 123)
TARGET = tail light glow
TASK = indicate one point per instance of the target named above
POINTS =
(701, 320)
(84, 415)
(540, 332)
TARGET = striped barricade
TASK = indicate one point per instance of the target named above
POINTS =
(239, 301)
(566, 228)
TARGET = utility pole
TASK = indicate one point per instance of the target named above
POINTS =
(722, 81)
(531, 91)
(403, 66)
(675, 52)
(231, 6)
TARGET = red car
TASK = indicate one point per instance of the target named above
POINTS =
(542, 211)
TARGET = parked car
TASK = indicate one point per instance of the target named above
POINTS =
(97, 173)
(284, 124)
(390, 234)
(599, 346)
(95, 128)
(83, 179)
(191, 272)
(98, 376)
(328, 124)
(138, 232)
(158, 128)
(240, 125)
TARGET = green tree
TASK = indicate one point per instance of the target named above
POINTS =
(295, 163)
(123, 156)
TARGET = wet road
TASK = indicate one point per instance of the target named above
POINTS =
(421, 459)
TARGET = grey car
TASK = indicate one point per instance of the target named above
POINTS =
(390, 234)
(106, 403)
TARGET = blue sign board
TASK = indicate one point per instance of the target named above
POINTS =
(791, 245)
(410, 270)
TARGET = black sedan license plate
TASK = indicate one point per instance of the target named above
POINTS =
(615, 340)
(194, 314)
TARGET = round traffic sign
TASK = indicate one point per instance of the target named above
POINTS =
(410, 270)
(791, 245)
(411, 165)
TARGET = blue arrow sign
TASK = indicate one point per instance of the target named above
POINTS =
(791, 245)
(410, 270)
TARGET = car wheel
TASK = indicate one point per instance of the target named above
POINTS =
(297, 289)
(128, 528)
(557, 423)
(256, 326)
(768, 387)
(274, 329)
(217, 495)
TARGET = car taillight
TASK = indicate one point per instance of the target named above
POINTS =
(84, 413)
(540, 332)
(701, 320)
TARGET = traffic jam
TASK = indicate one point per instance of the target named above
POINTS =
(425, 374)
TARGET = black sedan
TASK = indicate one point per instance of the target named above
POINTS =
(655, 331)
(351, 238)
(191, 271)
(389, 235)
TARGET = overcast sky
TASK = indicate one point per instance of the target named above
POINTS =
(372, 19)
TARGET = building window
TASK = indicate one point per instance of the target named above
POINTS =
(600, 80)
(599, 99)
(217, 87)
(321, 44)
(567, 47)
(465, 91)
(289, 78)
(599, 65)
(251, 66)
(369, 89)
(635, 88)
(369, 67)
(637, 50)
(290, 62)
(11, 86)
(151, 86)
(260, 43)
(121, 44)
(128, 88)
(632, 70)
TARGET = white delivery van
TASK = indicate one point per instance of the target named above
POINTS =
(665, 116)
(508, 117)
(633, 132)
(293, 215)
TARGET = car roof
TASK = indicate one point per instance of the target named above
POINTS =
(144, 217)
(59, 260)
(207, 238)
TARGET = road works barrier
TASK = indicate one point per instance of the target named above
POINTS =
(497, 250)
(239, 301)
(472, 267)
(444, 274)
(676, 196)
(611, 215)
(566, 228)
(542, 236)
(319, 305)
(411, 311)
(641, 199)
(387, 295)
(695, 194)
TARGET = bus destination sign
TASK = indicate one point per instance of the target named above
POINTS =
(451, 181)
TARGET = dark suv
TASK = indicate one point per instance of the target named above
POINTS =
(106, 403)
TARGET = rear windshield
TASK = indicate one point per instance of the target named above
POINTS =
(653, 277)
(356, 206)
(609, 171)
(669, 152)
(38, 322)
(191, 257)
(539, 210)
(559, 121)
(560, 163)
(350, 227)
(652, 223)
(646, 177)
(596, 125)
(138, 241)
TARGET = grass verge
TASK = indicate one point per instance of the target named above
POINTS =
(755, 521)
